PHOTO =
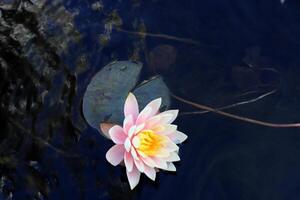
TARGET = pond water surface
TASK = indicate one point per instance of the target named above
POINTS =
(211, 52)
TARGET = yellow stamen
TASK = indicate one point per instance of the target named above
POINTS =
(150, 142)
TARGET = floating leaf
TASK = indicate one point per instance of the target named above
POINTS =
(104, 98)
(107, 92)
(152, 89)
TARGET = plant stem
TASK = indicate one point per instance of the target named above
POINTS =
(165, 36)
(232, 105)
(245, 119)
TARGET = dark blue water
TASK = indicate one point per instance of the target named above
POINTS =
(49, 51)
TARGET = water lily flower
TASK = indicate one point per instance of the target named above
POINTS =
(146, 142)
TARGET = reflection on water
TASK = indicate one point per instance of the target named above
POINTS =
(49, 51)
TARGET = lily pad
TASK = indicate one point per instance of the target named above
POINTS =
(104, 98)
(152, 89)
(107, 92)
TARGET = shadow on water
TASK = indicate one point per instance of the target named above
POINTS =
(50, 50)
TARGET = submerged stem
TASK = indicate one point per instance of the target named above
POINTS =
(245, 119)
(232, 105)
(165, 36)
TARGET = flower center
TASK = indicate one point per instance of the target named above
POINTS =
(150, 143)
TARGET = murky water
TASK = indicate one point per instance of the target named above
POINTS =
(212, 52)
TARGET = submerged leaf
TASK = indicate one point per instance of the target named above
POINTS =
(161, 58)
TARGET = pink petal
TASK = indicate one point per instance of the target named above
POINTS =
(139, 128)
(135, 129)
(117, 134)
(148, 161)
(170, 146)
(178, 137)
(139, 164)
(141, 154)
(150, 110)
(128, 161)
(128, 123)
(134, 154)
(150, 172)
(131, 106)
(144, 114)
(171, 167)
(153, 121)
(173, 157)
(163, 153)
(131, 131)
(115, 154)
(133, 177)
(159, 163)
(167, 129)
(168, 116)
(136, 141)
(127, 144)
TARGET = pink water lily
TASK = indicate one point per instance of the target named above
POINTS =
(146, 142)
